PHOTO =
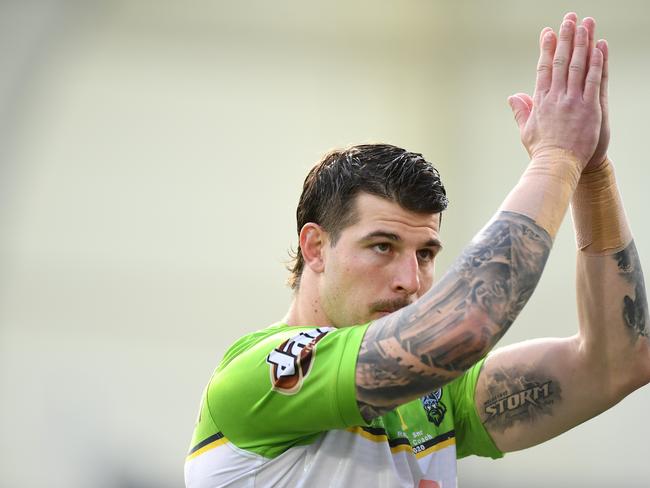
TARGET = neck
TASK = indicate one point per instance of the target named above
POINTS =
(305, 309)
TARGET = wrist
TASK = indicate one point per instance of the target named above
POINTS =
(598, 214)
(592, 168)
(556, 153)
(556, 162)
(545, 189)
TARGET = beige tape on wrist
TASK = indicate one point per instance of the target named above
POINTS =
(598, 215)
(545, 189)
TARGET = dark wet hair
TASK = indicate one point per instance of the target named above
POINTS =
(330, 188)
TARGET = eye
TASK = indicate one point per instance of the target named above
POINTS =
(382, 247)
(425, 255)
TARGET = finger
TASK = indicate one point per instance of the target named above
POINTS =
(520, 110)
(577, 68)
(590, 25)
(545, 65)
(572, 16)
(526, 98)
(562, 56)
(594, 77)
(603, 47)
(542, 34)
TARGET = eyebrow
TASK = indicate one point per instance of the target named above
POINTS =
(394, 237)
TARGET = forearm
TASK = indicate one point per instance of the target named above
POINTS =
(434, 340)
(611, 295)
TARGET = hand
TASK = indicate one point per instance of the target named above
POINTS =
(600, 154)
(565, 111)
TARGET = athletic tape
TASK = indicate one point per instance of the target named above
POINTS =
(598, 215)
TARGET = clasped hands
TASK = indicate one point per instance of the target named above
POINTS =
(568, 109)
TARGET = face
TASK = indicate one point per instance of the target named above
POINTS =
(381, 263)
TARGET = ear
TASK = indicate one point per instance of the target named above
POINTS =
(312, 242)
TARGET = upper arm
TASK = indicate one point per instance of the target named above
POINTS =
(289, 385)
(533, 391)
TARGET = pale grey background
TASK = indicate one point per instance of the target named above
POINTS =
(151, 156)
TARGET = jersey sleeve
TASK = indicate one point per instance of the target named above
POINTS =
(471, 435)
(287, 388)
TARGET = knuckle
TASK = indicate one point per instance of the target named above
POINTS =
(574, 67)
(543, 67)
(540, 94)
(559, 61)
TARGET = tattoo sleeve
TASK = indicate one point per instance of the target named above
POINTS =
(432, 341)
(635, 305)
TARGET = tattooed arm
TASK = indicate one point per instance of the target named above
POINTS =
(530, 392)
(533, 391)
(429, 343)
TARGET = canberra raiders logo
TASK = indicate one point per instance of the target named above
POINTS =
(434, 407)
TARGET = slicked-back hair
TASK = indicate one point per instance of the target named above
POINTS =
(331, 187)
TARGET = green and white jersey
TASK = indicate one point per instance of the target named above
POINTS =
(281, 411)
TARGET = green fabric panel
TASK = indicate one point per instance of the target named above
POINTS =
(471, 435)
(204, 426)
(251, 414)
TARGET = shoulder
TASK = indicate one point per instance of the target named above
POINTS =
(250, 341)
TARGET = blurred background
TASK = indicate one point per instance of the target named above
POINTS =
(151, 157)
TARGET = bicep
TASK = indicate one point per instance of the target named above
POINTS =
(533, 391)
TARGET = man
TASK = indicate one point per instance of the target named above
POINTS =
(379, 377)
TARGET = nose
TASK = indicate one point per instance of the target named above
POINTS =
(407, 275)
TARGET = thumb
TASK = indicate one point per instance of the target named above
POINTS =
(520, 109)
(526, 98)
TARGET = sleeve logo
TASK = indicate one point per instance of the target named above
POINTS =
(292, 360)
